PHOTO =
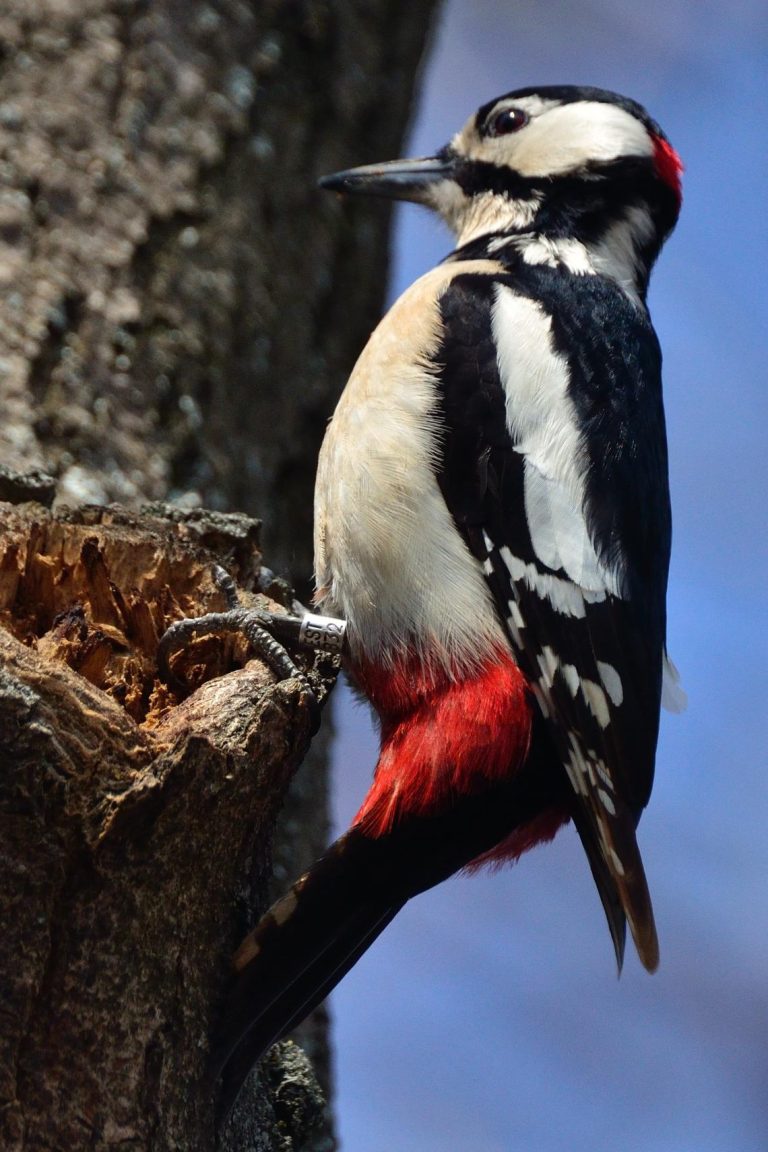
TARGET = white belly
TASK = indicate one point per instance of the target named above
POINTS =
(388, 556)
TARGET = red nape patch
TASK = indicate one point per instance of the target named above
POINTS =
(442, 738)
(669, 166)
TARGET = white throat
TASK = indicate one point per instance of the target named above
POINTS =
(470, 217)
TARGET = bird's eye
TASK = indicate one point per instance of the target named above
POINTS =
(506, 121)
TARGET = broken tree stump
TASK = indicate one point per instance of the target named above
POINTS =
(134, 827)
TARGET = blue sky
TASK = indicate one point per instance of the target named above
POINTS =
(488, 1018)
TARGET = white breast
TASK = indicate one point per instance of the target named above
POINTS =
(388, 556)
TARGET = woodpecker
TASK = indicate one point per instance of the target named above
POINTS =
(492, 521)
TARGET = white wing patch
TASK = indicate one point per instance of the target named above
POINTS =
(559, 532)
(543, 425)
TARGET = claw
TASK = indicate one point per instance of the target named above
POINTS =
(265, 633)
(225, 584)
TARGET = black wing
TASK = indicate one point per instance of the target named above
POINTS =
(579, 581)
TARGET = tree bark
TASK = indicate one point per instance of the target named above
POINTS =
(131, 817)
(180, 301)
(178, 307)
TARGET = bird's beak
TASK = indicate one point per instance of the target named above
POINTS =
(395, 179)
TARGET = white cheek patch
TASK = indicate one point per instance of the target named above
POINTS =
(469, 142)
(567, 137)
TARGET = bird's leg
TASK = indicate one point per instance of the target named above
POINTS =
(266, 632)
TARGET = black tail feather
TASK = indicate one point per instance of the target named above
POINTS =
(295, 1001)
(605, 884)
(304, 943)
(309, 939)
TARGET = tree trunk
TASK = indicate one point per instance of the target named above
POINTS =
(178, 307)
(132, 815)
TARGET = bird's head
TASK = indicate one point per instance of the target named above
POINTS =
(563, 162)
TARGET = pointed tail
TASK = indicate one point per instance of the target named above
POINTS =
(299, 951)
(310, 938)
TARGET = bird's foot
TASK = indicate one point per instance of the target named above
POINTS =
(267, 634)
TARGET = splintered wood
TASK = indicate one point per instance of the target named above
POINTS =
(97, 589)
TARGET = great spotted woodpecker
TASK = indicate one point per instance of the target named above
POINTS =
(492, 521)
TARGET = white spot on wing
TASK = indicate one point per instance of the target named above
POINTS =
(602, 772)
(611, 682)
(548, 663)
(571, 677)
(515, 621)
(516, 614)
(542, 700)
(595, 698)
(564, 596)
(616, 861)
(576, 766)
(606, 801)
